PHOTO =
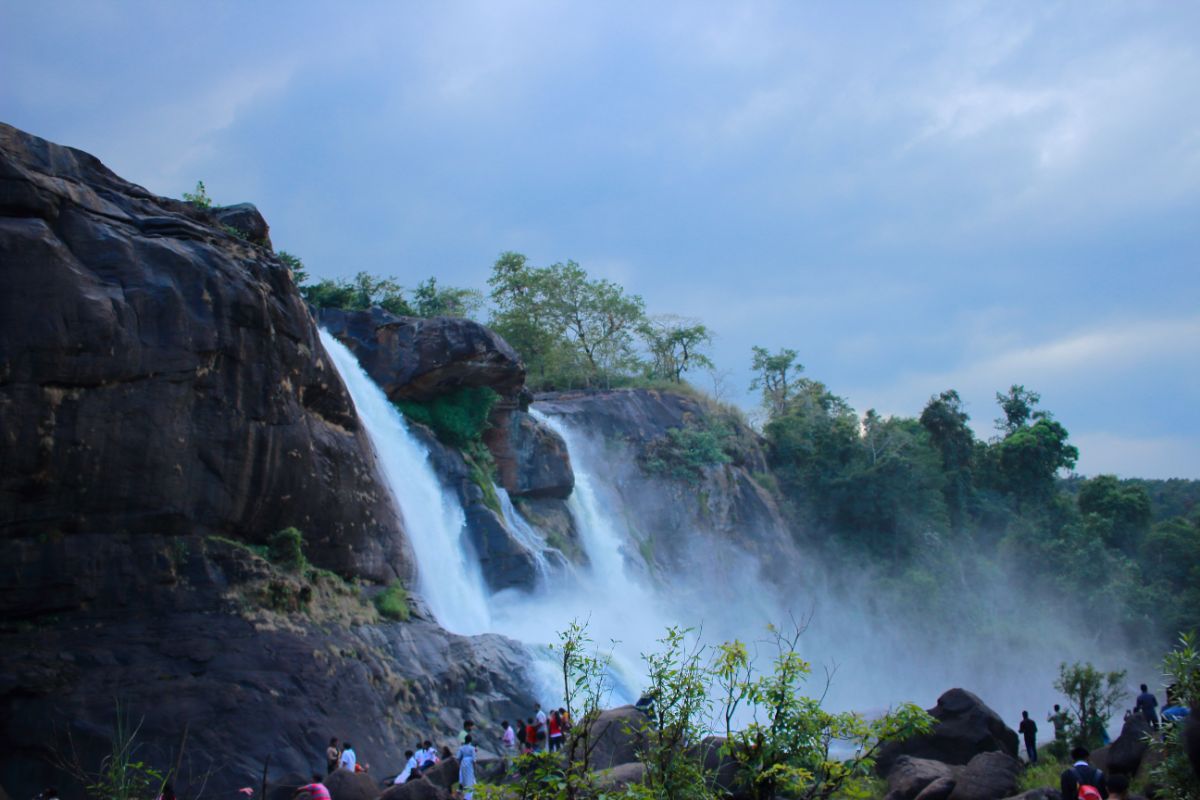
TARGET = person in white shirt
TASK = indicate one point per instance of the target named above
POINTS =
(543, 735)
(348, 759)
(409, 766)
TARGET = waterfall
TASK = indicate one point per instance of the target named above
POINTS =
(447, 578)
(524, 533)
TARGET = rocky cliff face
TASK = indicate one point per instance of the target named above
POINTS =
(672, 492)
(164, 399)
(159, 375)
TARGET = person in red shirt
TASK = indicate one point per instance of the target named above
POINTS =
(530, 736)
(556, 732)
(312, 791)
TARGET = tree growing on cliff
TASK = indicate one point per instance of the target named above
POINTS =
(775, 375)
(676, 345)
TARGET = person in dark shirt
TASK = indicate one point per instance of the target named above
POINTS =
(1081, 773)
(1147, 703)
(1028, 729)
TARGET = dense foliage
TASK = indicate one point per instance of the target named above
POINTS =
(927, 498)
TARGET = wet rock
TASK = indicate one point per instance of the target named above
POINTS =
(531, 459)
(965, 727)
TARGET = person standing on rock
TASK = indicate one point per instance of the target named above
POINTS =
(1028, 729)
(542, 741)
(465, 733)
(1147, 703)
(1082, 780)
(530, 736)
(332, 754)
(348, 759)
(508, 740)
(466, 769)
(1059, 719)
(554, 728)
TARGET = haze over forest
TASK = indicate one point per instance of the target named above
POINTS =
(914, 200)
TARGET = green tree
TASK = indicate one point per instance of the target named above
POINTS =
(430, 300)
(775, 375)
(292, 262)
(598, 319)
(676, 345)
(946, 421)
(1027, 459)
(1092, 697)
(1017, 405)
(1125, 510)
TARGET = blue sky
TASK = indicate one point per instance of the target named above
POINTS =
(914, 196)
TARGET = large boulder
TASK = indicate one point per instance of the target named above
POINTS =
(986, 777)
(413, 358)
(617, 736)
(158, 376)
(1191, 739)
(245, 219)
(1126, 752)
(941, 789)
(965, 727)
(419, 789)
(531, 459)
(910, 776)
(444, 773)
(345, 784)
(1045, 793)
(620, 776)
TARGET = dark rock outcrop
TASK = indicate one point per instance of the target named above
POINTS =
(344, 784)
(1126, 752)
(1191, 739)
(420, 789)
(1037, 794)
(413, 358)
(159, 376)
(965, 727)
(618, 738)
(531, 459)
(941, 789)
(247, 221)
(909, 776)
(986, 776)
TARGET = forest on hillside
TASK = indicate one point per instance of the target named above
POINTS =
(922, 502)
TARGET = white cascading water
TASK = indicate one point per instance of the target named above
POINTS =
(524, 533)
(447, 578)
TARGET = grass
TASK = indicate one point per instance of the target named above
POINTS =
(1037, 776)
(392, 603)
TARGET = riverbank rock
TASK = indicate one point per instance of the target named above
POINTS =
(1126, 752)
(986, 776)
(345, 784)
(247, 221)
(420, 789)
(618, 737)
(909, 776)
(965, 727)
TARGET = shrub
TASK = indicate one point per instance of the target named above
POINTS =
(285, 549)
(458, 418)
(684, 452)
(392, 602)
(199, 198)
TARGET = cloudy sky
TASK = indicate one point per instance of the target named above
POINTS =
(914, 196)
